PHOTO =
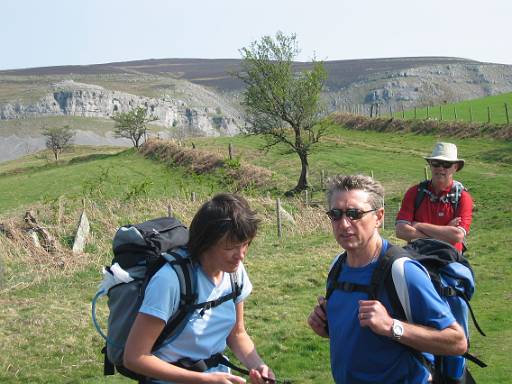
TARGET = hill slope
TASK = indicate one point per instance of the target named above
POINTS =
(47, 335)
(197, 97)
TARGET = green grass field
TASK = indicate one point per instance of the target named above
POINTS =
(45, 330)
(489, 109)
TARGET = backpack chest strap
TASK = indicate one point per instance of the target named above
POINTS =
(212, 303)
(205, 364)
(236, 290)
(351, 287)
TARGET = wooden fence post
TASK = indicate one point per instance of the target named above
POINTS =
(383, 206)
(230, 151)
(306, 197)
(192, 196)
(278, 217)
(506, 113)
(488, 114)
(427, 112)
(60, 213)
(455, 113)
(470, 114)
(390, 111)
(169, 210)
(403, 112)
(440, 113)
(415, 115)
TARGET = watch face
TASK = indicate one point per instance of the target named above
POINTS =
(398, 329)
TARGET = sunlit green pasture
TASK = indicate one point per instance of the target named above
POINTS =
(45, 330)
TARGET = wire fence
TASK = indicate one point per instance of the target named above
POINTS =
(495, 114)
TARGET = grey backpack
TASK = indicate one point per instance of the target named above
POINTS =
(139, 252)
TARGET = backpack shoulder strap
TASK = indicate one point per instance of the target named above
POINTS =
(382, 272)
(236, 286)
(456, 192)
(236, 290)
(334, 273)
(184, 268)
(420, 195)
(383, 275)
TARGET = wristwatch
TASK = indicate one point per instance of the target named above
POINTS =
(397, 329)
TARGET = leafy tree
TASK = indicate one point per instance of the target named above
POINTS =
(133, 124)
(58, 139)
(281, 104)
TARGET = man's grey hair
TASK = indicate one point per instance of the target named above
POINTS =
(343, 183)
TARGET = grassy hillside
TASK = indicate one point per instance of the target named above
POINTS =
(99, 174)
(46, 333)
(33, 127)
(487, 109)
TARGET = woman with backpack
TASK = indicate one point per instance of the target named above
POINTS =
(220, 234)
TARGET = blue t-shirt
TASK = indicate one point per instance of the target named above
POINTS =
(203, 335)
(358, 355)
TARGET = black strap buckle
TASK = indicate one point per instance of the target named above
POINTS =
(448, 291)
(191, 365)
(207, 306)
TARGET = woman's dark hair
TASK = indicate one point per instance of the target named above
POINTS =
(225, 215)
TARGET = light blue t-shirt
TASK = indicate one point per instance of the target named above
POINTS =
(358, 355)
(203, 335)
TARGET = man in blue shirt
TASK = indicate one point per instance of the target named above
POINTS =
(368, 345)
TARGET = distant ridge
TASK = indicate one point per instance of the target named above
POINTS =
(216, 72)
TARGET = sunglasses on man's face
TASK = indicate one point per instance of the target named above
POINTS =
(437, 164)
(336, 214)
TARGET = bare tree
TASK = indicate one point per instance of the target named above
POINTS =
(281, 104)
(133, 124)
(58, 139)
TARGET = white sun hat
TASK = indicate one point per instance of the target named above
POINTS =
(446, 152)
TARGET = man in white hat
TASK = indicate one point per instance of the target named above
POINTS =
(439, 208)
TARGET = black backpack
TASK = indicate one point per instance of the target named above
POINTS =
(452, 197)
(139, 252)
(453, 279)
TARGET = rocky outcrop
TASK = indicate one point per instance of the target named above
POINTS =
(86, 100)
(427, 85)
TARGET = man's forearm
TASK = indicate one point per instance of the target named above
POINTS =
(449, 341)
(407, 232)
(446, 233)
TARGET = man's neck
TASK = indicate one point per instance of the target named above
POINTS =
(440, 185)
(363, 257)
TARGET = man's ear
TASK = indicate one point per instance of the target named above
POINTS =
(380, 216)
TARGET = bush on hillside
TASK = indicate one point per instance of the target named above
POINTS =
(427, 126)
(239, 176)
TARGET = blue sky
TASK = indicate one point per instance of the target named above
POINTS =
(63, 32)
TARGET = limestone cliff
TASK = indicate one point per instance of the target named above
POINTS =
(424, 85)
(85, 100)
